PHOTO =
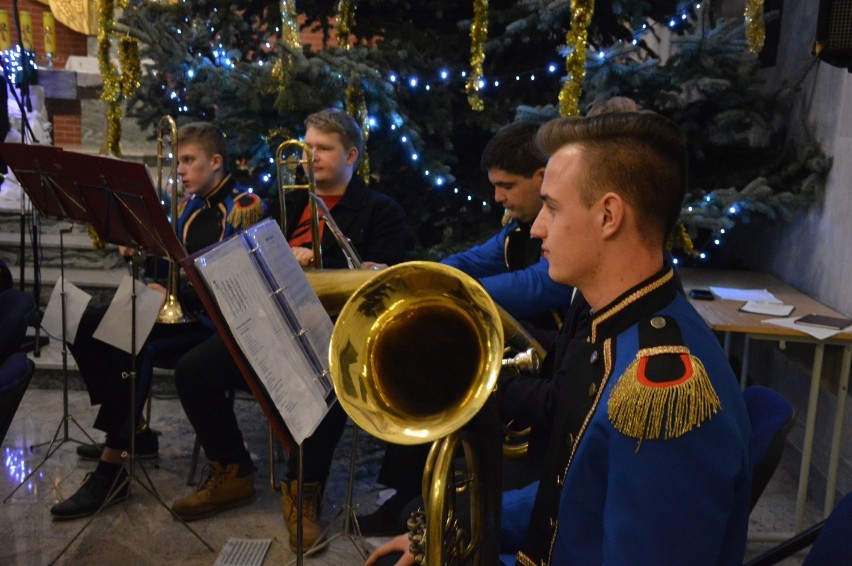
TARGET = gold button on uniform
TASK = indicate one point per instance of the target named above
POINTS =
(594, 357)
(658, 322)
(570, 440)
(593, 388)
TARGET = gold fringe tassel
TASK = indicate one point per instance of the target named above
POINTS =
(245, 214)
(653, 412)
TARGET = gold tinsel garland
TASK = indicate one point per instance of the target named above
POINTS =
(356, 106)
(289, 27)
(755, 30)
(575, 60)
(345, 17)
(111, 91)
(478, 35)
(684, 242)
(128, 58)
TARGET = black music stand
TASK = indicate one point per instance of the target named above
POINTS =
(276, 421)
(123, 207)
(40, 175)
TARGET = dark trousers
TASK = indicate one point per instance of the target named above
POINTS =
(104, 369)
(203, 378)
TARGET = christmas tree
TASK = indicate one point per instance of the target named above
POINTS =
(404, 69)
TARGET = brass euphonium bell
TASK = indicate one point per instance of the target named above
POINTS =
(171, 311)
(414, 356)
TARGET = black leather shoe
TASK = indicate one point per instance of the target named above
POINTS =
(385, 520)
(147, 447)
(91, 496)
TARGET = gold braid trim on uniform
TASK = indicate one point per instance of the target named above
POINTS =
(182, 206)
(629, 299)
(651, 412)
(247, 210)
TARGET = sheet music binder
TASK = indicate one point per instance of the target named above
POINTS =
(271, 318)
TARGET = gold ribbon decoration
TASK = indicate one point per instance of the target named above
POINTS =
(289, 26)
(345, 17)
(648, 410)
(755, 30)
(111, 91)
(575, 60)
(478, 35)
(356, 106)
(683, 240)
(131, 66)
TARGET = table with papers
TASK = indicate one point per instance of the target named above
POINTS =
(725, 316)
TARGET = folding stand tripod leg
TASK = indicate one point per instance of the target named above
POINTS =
(52, 445)
(351, 530)
(129, 457)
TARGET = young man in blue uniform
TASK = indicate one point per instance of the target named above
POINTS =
(510, 267)
(646, 456)
(214, 209)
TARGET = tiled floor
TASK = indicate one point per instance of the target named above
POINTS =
(141, 531)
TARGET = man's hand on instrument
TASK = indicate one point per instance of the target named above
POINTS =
(399, 543)
(160, 289)
(126, 252)
(374, 265)
(304, 256)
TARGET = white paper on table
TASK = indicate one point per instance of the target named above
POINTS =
(76, 301)
(732, 294)
(116, 329)
(815, 331)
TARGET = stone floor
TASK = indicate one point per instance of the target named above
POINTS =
(141, 531)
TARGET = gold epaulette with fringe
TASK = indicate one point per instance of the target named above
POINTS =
(247, 210)
(667, 407)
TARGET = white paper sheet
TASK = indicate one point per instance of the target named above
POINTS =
(815, 331)
(115, 327)
(76, 301)
(733, 294)
(274, 351)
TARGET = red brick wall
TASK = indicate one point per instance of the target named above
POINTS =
(67, 130)
(68, 41)
(66, 127)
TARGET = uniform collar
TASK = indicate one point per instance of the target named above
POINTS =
(644, 299)
(218, 193)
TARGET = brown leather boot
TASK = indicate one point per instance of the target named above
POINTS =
(311, 496)
(222, 490)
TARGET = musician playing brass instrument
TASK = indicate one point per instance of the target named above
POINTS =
(510, 267)
(215, 208)
(375, 225)
(647, 459)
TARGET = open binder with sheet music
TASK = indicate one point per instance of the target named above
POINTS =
(272, 315)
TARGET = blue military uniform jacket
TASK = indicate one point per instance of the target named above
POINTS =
(203, 221)
(647, 462)
(503, 270)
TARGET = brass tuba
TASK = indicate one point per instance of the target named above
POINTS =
(414, 356)
(170, 312)
(287, 169)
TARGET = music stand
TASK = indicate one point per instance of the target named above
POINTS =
(274, 417)
(40, 175)
(124, 210)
